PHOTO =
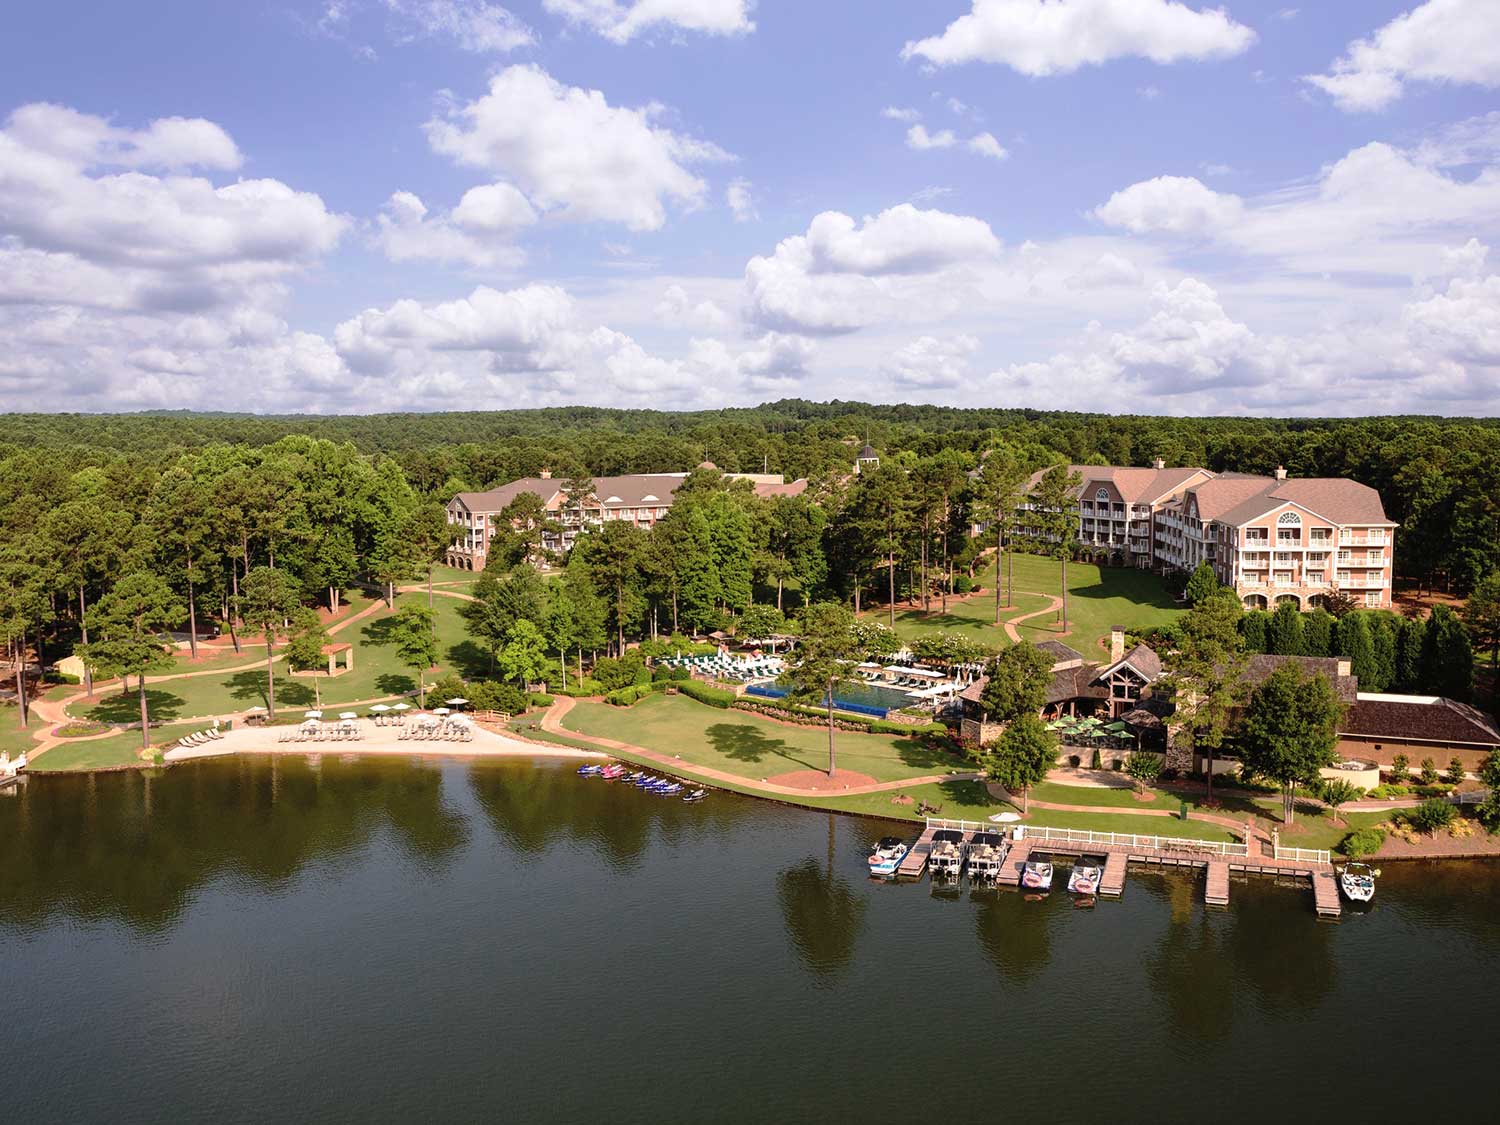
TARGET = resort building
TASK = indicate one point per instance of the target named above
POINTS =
(1273, 539)
(640, 499)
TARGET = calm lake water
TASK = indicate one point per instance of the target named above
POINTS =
(386, 940)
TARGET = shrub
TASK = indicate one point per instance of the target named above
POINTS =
(1074, 760)
(1096, 761)
(1400, 769)
(672, 673)
(1119, 765)
(1362, 842)
(621, 672)
(963, 584)
(714, 697)
(492, 695)
(1429, 774)
(1432, 815)
(539, 699)
(632, 693)
(1338, 792)
(1143, 768)
(1456, 771)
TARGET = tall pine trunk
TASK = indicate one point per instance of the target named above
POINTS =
(234, 611)
(1065, 592)
(831, 728)
(192, 610)
(83, 622)
(145, 723)
(999, 558)
(270, 673)
(890, 569)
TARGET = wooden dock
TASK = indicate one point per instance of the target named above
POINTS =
(1216, 893)
(915, 860)
(1015, 862)
(1326, 895)
(1113, 880)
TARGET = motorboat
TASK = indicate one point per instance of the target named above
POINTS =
(1357, 881)
(695, 796)
(613, 772)
(668, 789)
(946, 860)
(590, 771)
(887, 855)
(1037, 874)
(987, 852)
(1085, 877)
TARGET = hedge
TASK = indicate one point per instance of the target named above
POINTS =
(625, 696)
(714, 697)
(539, 699)
(1362, 842)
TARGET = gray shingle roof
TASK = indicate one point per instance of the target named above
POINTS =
(1425, 720)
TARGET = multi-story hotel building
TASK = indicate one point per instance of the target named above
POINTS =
(1273, 539)
(640, 499)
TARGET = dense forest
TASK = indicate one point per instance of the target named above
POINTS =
(1440, 478)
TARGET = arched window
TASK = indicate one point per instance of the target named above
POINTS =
(1289, 519)
(1103, 495)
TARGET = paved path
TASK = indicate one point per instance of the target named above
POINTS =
(552, 721)
(1055, 604)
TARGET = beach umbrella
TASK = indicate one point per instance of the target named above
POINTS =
(312, 714)
(380, 707)
(440, 711)
(457, 701)
(402, 707)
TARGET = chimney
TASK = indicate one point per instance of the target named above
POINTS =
(1281, 472)
(1346, 668)
(1158, 464)
(546, 474)
(1116, 643)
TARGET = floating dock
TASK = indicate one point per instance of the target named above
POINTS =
(1217, 857)
(915, 860)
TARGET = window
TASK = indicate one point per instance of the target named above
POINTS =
(1102, 496)
(1372, 598)
(1345, 556)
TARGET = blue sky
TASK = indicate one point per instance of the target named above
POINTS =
(1135, 205)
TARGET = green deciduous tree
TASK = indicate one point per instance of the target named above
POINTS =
(1206, 675)
(1202, 584)
(1017, 683)
(268, 598)
(1447, 656)
(1290, 731)
(416, 647)
(1021, 757)
(760, 621)
(826, 646)
(304, 646)
(128, 623)
(524, 657)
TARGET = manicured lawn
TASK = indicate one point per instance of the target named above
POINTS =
(1098, 597)
(123, 749)
(378, 673)
(746, 744)
(15, 739)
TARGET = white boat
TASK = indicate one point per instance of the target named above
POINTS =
(1037, 874)
(987, 852)
(1085, 877)
(1357, 881)
(887, 855)
(946, 860)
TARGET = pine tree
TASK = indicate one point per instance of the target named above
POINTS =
(1284, 631)
(1410, 641)
(1383, 627)
(1202, 584)
(1253, 629)
(1447, 656)
(1317, 633)
(1358, 647)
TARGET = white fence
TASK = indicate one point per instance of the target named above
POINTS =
(1102, 839)
(1302, 855)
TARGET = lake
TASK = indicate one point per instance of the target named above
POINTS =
(389, 940)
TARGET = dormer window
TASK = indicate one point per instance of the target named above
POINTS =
(1102, 495)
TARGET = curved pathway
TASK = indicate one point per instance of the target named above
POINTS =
(1056, 604)
(552, 721)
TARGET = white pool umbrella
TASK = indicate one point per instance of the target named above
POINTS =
(312, 714)
(440, 711)
(380, 707)
(457, 701)
(402, 707)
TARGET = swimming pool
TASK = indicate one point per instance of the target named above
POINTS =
(862, 699)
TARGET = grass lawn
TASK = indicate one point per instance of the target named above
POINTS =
(377, 674)
(15, 739)
(1098, 597)
(746, 744)
(123, 749)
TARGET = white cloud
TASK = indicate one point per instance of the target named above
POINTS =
(677, 308)
(621, 22)
(1439, 41)
(841, 276)
(919, 138)
(1044, 37)
(930, 193)
(1172, 204)
(572, 153)
(1107, 270)
(473, 25)
(741, 201)
(87, 141)
(986, 145)
(931, 362)
(1148, 92)
(901, 113)
(480, 231)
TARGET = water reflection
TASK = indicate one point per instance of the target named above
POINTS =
(1015, 933)
(133, 847)
(824, 915)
